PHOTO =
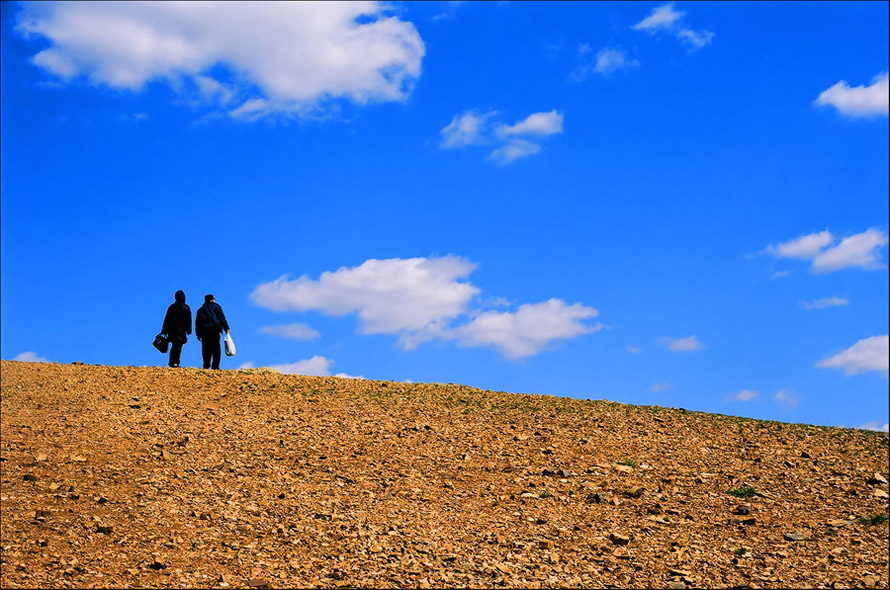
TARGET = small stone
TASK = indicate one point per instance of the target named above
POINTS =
(29, 477)
(257, 583)
(623, 468)
(635, 492)
(618, 539)
(870, 581)
(40, 457)
(743, 509)
(545, 544)
(881, 494)
(105, 530)
(675, 585)
(874, 480)
(796, 536)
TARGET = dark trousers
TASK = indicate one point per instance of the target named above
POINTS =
(175, 353)
(210, 350)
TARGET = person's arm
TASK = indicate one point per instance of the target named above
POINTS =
(222, 319)
(188, 324)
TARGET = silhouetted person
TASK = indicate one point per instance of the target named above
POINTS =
(210, 321)
(177, 326)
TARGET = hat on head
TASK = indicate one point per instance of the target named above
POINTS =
(208, 297)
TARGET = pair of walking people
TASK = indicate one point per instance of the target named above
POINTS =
(210, 322)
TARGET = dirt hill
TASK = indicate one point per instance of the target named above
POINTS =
(156, 477)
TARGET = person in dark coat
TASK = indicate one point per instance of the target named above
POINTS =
(210, 321)
(177, 326)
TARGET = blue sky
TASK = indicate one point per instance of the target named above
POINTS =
(675, 204)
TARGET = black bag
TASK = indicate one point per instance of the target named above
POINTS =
(161, 342)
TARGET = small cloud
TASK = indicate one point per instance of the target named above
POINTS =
(317, 366)
(688, 344)
(857, 251)
(859, 101)
(659, 387)
(874, 425)
(31, 357)
(869, 354)
(664, 19)
(787, 399)
(745, 395)
(520, 140)
(781, 274)
(466, 129)
(247, 365)
(824, 302)
(291, 331)
(634, 349)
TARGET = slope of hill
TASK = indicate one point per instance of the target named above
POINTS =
(157, 477)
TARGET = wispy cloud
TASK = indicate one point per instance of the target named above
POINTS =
(787, 399)
(607, 60)
(634, 349)
(859, 101)
(659, 386)
(519, 140)
(291, 331)
(666, 19)
(688, 344)
(857, 251)
(869, 354)
(745, 395)
(31, 357)
(421, 299)
(875, 425)
(250, 59)
(824, 302)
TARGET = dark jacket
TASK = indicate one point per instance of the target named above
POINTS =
(210, 320)
(178, 321)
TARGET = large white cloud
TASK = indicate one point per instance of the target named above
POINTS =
(421, 299)
(859, 101)
(252, 58)
(869, 354)
(859, 250)
(410, 297)
(527, 331)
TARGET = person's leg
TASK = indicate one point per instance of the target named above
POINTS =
(175, 353)
(216, 352)
(206, 350)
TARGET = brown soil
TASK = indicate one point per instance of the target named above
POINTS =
(157, 477)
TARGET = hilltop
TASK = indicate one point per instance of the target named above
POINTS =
(158, 477)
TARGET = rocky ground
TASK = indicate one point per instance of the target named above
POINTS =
(156, 477)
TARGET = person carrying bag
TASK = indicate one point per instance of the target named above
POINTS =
(210, 322)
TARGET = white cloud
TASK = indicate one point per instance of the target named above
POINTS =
(412, 297)
(516, 149)
(875, 425)
(804, 247)
(869, 354)
(745, 395)
(291, 331)
(31, 357)
(664, 19)
(535, 124)
(659, 386)
(527, 331)
(824, 302)
(262, 57)
(317, 366)
(660, 19)
(465, 129)
(688, 344)
(859, 101)
(610, 60)
(520, 140)
(420, 299)
(859, 250)
(787, 399)
(634, 349)
(780, 274)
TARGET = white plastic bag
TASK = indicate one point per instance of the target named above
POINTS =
(230, 345)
